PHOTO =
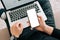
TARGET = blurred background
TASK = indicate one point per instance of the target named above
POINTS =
(56, 9)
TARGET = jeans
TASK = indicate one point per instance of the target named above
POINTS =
(37, 35)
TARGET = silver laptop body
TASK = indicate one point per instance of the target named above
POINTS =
(20, 14)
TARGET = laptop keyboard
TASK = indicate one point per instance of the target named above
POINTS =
(22, 12)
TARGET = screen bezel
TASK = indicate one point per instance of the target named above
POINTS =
(17, 6)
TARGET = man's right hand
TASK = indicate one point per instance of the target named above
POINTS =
(16, 29)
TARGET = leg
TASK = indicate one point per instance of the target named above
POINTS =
(41, 36)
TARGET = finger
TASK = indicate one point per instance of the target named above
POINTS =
(41, 19)
(28, 22)
(19, 26)
(38, 16)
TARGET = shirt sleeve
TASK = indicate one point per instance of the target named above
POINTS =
(1, 11)
(56, 33)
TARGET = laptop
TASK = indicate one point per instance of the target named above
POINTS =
(16, 10)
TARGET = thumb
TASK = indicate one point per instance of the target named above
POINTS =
(28, 22)
(40, 19)
(19, 26)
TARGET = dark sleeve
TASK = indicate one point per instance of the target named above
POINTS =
(56, 33)
(1, 11)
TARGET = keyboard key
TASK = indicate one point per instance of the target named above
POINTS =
(22, 12)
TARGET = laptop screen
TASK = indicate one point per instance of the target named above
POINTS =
(14, 3)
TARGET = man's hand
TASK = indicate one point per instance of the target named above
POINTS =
(42, 23)
(43, 26)
(16, 29)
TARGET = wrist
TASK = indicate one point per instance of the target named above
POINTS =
(48, 29)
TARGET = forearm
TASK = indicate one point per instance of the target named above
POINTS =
(52, 31)
(48, 29)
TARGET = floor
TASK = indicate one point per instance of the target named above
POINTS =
(56, 9)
